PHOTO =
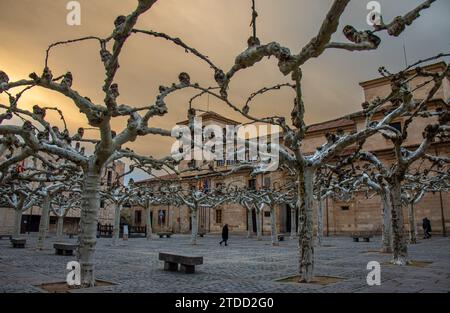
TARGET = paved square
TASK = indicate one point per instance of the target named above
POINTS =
(246, 265)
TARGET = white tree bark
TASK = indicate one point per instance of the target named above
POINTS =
(386, 237)
(306, 246)
(293, 228)
(60, 227)
(116, 229)
(194, 226)
(17, 222)
(400, 249)
(250, 223)
(43, 223)
(88, 223)
(320, 221)
(148, 214)
(273, 226)
(258, 225)
(412, 224)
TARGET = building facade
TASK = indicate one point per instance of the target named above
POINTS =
(340, 217)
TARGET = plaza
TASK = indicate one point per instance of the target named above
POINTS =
(246, 265)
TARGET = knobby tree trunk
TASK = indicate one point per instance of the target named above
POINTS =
(60, 227)
(400, 249)
(88, 223)
(412, 224)
(250, 223)
(17, 222)
(116, 230)
(293, 223)
(386, 236)
(148, 214)
(306, 246)
(258, 225)
(320, 221)
(43, 223)
(194, 227)
(273, 226)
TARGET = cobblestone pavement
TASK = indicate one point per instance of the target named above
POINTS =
(246, 265)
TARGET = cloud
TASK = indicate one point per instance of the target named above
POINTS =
(220, 30)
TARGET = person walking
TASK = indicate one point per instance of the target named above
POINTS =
(426, 225)
(224, 235)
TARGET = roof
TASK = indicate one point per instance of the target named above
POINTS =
(341, 122)
(383, 80)
(159, 178)
(212, 116)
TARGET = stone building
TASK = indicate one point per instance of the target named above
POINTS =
(340, 217)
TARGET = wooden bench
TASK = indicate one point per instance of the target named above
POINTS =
(64, 248)
(187, 263)
(165, 234)
(365, 237)
(18, 242)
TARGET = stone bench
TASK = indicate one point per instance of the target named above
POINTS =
(8, 236)
(365, 237)
(165, 234)
(18, 242)
(64, 248)
(187, 263)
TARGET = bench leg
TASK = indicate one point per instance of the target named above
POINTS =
(188, 269)
(169, 266)
(355, 239)
(161, 236)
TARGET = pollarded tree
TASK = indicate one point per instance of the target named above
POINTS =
(61, 205)
(118, 195)
(145, 197)
(39, 136)
(432, 175)
(395, 174)
(289, 63)
(195, 199)
(20, 198)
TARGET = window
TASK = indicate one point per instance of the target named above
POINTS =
(267, 214)
(345, 208)
(137, 217)
(218, 216)
(109, 179)
(397, 126)
(252, 184)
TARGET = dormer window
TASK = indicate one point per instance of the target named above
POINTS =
(397, 126)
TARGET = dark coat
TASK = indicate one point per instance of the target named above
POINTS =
(426, 224)
(225, 232)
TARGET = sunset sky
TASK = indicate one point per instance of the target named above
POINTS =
(219, 29)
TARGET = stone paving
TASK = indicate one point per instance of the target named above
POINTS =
(246, 265)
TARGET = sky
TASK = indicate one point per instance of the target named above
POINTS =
(219, 29)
